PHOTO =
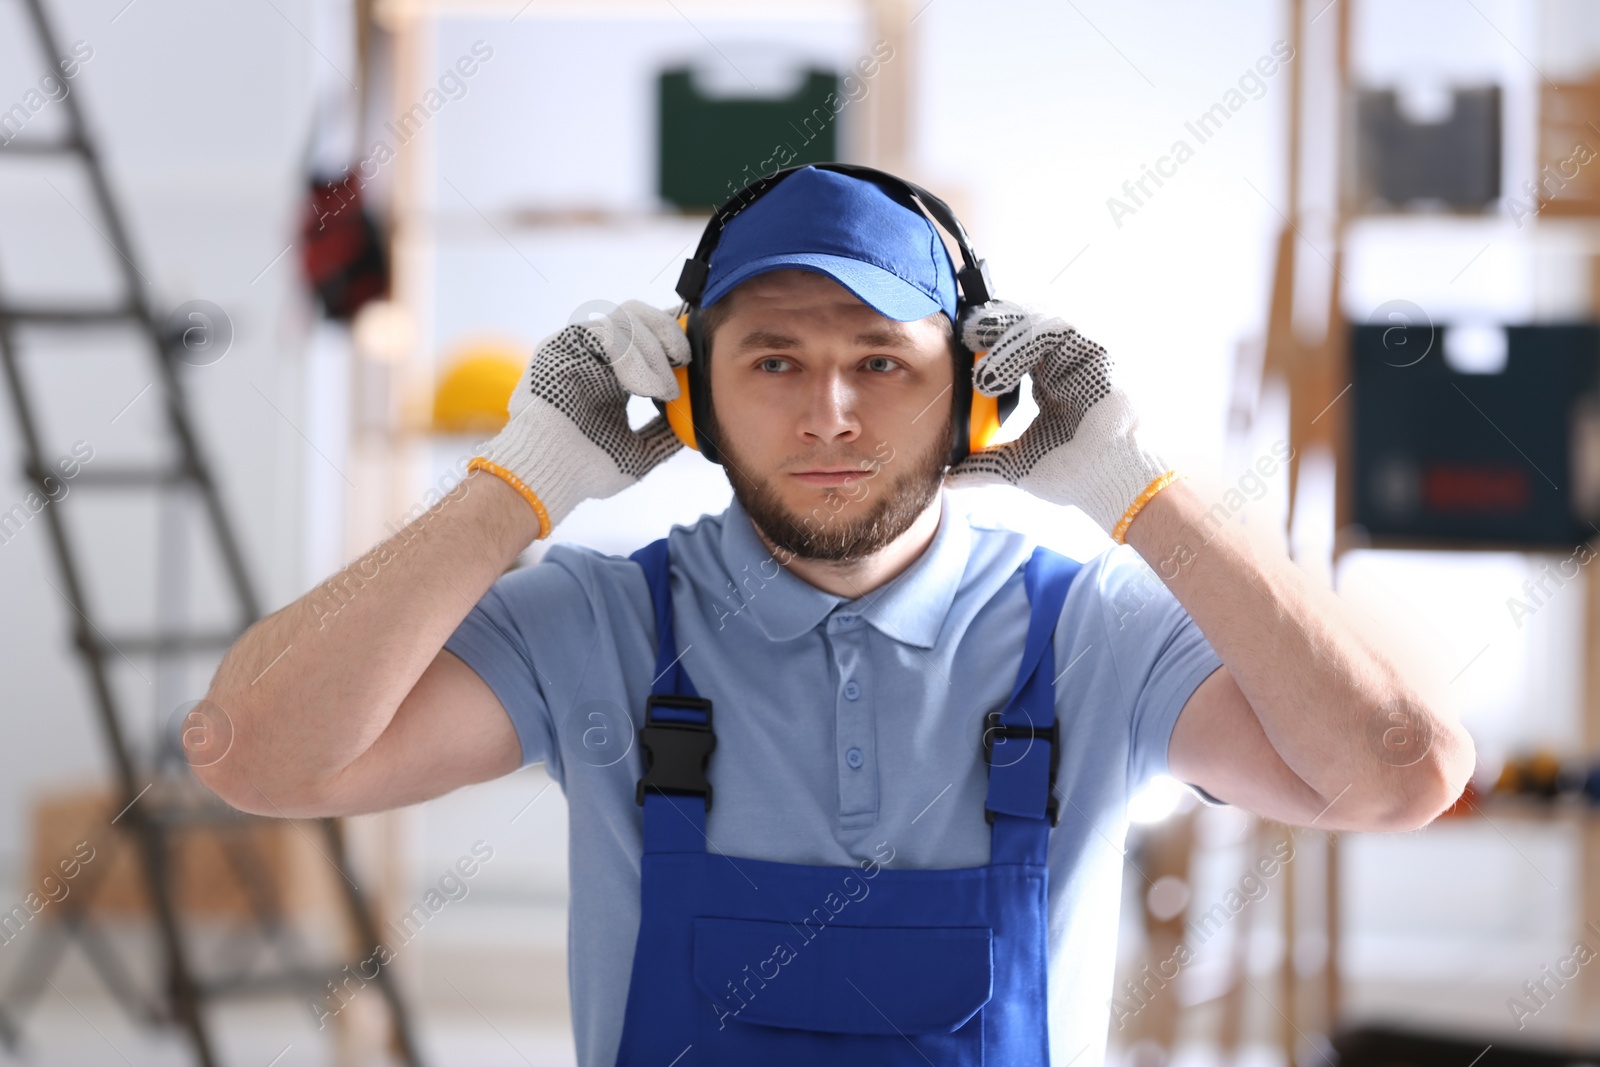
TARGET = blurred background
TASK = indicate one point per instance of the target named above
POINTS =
(268, 271)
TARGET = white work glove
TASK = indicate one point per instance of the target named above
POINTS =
(569, 438)
(1082, 448)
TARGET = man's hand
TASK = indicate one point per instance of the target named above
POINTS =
(568, 438)
(1081, 449)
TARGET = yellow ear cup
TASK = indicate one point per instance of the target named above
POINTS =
(984, 422)
(679, 413)
(678, 416)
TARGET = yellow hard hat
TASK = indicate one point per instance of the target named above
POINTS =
(474, 391)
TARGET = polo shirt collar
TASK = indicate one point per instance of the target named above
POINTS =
(910, 609)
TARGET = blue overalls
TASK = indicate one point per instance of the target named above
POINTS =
(942, 967)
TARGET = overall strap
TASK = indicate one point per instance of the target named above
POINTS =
(677, 737)
(1023, 741)
(670, 676)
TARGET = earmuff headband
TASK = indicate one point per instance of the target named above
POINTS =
(972, 278)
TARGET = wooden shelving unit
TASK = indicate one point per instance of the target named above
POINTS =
(1317, 375)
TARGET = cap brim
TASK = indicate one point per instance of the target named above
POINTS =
(888, 294)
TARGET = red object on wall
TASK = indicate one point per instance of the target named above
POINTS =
(341, 250)
(1490, 488)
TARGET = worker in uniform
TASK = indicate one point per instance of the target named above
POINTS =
(848, 768)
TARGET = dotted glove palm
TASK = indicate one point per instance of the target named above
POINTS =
(1082, 448)
(568, 438)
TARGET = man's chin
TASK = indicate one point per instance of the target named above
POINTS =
(823, 524)
(841, 523)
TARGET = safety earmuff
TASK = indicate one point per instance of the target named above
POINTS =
(977, 417)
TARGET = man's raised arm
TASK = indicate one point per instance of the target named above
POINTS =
(1308, 721)
(306, 692)
(345, 701)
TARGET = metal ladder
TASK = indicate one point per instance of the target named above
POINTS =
(153, 821)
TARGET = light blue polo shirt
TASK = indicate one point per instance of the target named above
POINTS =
(845, 728)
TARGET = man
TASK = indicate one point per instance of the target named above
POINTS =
(851, 627)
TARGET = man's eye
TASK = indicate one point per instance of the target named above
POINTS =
(881, 364)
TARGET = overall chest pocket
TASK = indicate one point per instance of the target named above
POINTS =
(780, 993)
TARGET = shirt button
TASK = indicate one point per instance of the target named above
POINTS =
(846, 620)
(851, 690)
(854, 757)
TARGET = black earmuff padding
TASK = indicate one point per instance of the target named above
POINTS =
(961, 404)
(700, 386)
(1006, 402)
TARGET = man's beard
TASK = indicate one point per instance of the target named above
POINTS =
(900, 489)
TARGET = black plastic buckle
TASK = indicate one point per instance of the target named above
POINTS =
(692, 280)
(992, 728)
(976, 288)
(676, 754)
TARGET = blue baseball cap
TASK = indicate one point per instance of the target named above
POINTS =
(885, 252)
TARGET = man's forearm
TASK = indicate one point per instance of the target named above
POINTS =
(1335, 708)
(306, 690)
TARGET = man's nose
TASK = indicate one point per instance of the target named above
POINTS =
(831, 409)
